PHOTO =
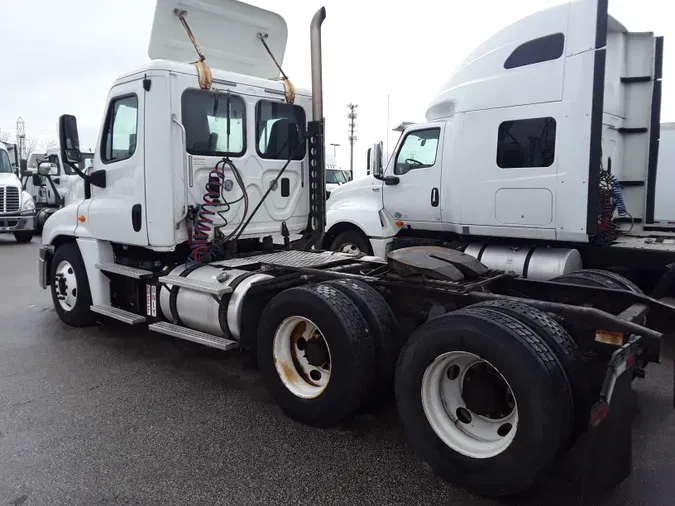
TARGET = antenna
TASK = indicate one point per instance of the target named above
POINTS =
(352, 136)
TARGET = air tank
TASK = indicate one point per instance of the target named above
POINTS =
(539, 263)
(219, 316)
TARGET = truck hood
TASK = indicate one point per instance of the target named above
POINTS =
(226, 31)
(9, 179)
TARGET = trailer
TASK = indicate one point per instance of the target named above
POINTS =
(200, 165)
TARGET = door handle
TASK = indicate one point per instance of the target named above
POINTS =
(434, 197)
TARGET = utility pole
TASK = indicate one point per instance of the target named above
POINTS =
(352, 135)
(334, 148)
(21, 138)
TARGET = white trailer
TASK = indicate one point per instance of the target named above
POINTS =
(197, 168)
(664, 210)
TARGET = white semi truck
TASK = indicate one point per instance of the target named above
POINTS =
(53, 184)
(17, 209)
(539, 156)
(197, 168)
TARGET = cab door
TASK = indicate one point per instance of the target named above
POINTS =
(117, 212)
(412, 181)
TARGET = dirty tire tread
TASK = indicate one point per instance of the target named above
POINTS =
(383, 327)
(488, 476)
(562, 344)
(346, 332)
(80, 316)
(626, 283)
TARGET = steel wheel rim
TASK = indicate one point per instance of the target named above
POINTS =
(297, 349)
(443, 387)
(65, 284)
(350, 249)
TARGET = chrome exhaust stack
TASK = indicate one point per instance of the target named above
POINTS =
(317, 81)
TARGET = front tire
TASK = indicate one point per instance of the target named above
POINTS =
(483, 400)
(70, 286)
(23, 236)
(352, 242)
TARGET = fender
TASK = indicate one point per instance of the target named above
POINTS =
(358, 204)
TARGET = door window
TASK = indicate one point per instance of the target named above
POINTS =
(418, 151)
(119, 142)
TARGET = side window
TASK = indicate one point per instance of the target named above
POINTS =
(538, 50)
(119, 142)
(526, 143)
(280, 128)
(215, 123)
(418, 151)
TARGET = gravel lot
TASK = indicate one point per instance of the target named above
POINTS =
(119, 415)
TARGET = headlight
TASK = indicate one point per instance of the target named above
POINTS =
(28, 205)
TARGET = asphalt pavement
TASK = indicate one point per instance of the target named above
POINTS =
(120, 415)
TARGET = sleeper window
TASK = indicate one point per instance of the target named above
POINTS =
(215, 123)
(526, 143)
(418, 151)
(119, 142)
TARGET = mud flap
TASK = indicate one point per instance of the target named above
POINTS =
(608, 444)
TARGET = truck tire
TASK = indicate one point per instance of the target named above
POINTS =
(70, 286)
(383, 328)
(23, 236)
(483, 400)
(315, 354)
(622, 281)
(353, 242)
(562, 345)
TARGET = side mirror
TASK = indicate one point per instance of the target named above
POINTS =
(375, 161)
(23, 165)
(37, 180)
(69, 139)
(45, 168)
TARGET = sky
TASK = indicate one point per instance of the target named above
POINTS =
(390, 58)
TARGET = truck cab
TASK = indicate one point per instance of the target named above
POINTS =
(17, 208)
(528, 139)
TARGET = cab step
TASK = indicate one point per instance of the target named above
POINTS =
(196, 285)
(118, 314)
(123, 270)
(193, 335)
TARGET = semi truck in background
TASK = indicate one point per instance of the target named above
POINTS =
(197, 168)
(556, 172)
(17, 209)
(52, 183)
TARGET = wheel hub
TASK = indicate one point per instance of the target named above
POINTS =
(316, 352)
(485, 392)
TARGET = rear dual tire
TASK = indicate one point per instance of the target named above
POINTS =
(450, 433)
(327, 351)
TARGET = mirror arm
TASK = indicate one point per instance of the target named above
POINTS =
(57, 197)
(96, 178)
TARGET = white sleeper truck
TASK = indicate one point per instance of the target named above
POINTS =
(199, 166)
(539, 156)
(17, 209)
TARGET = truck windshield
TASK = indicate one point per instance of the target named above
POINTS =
(5, 165)
(335, 176)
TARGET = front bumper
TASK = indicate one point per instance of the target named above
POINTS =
(17, 223)
(44, 260)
